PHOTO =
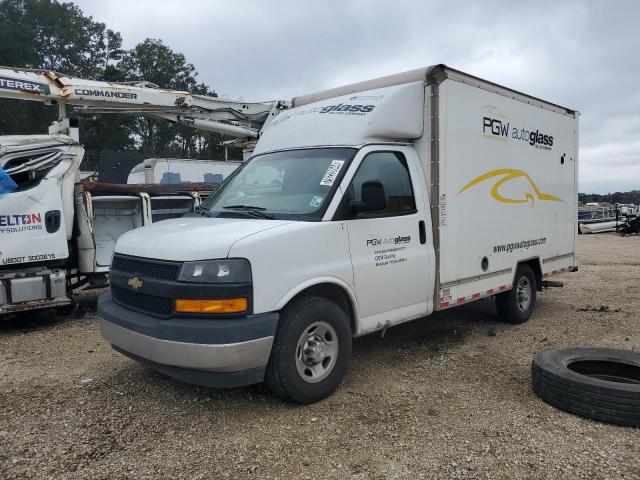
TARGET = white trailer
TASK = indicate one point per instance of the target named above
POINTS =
(173, 170)
(363, 207)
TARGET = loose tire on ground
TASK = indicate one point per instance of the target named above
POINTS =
(517, 304)
(311, 350)
(597, 383)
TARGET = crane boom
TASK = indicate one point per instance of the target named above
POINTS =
(238, 119)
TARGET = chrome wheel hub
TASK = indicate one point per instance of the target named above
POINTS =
(313, 350)
(523, 294)
(316, 352)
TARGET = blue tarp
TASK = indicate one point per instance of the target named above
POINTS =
(7, 185)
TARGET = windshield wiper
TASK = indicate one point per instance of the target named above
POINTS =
(243, 207)
(251, 210)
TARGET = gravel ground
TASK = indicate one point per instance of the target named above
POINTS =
(435, 398)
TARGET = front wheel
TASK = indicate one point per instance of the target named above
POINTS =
(516, 305)
(311, 351)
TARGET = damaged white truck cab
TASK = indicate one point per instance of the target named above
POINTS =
(36, 220)
(363, 207)
(58, 234)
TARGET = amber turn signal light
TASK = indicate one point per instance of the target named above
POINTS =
(227, 305)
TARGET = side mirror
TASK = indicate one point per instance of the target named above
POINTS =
(374, 198)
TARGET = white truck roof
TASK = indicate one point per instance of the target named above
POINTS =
(432, 74)
(388, 114)
(386, 109)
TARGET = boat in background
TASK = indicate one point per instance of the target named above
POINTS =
(595, 218)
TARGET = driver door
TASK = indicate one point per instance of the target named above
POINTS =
(389, 248)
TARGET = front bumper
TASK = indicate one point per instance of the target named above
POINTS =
(208, 352)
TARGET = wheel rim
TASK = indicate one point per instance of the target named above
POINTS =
(523, 294)
(316, 352)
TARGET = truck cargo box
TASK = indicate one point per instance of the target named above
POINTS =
(506, 166)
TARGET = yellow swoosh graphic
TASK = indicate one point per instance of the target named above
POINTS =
(507, 175)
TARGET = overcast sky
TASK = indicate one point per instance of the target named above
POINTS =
(580, 54)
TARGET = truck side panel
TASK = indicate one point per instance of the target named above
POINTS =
(506, 190)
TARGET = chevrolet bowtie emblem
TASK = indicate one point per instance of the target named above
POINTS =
(134, 283)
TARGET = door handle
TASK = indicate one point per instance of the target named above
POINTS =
(52, 220)
(423, 232)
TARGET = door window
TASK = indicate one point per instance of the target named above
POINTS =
(391, 170)
(26, 170)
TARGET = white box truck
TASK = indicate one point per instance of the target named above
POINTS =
(362, 207)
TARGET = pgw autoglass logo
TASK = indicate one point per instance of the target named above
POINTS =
(497, 126)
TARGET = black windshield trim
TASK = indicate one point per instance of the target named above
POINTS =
(317, 216)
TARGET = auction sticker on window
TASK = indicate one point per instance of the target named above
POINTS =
(316, 201)
(331, 173)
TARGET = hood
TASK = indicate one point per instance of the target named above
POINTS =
(191, 238)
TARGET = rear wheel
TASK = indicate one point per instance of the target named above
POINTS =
(516, 305)
(311, 351)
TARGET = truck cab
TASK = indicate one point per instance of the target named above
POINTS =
(332, 230)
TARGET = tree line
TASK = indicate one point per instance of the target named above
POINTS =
(618, 197)
(47, 34)
(57, 36)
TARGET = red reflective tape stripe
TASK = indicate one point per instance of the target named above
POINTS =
(460, 300)
(490, 291)
(444, 304)
(475, 295)
(503, 287)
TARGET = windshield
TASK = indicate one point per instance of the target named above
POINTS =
(296, 184)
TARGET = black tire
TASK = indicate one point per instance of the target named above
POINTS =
(282, 375)
(509, 304)
(597, 383)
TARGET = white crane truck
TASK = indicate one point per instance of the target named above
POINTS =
(56, 233)
(362, 207)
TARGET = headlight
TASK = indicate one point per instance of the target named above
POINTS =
(234, 270)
